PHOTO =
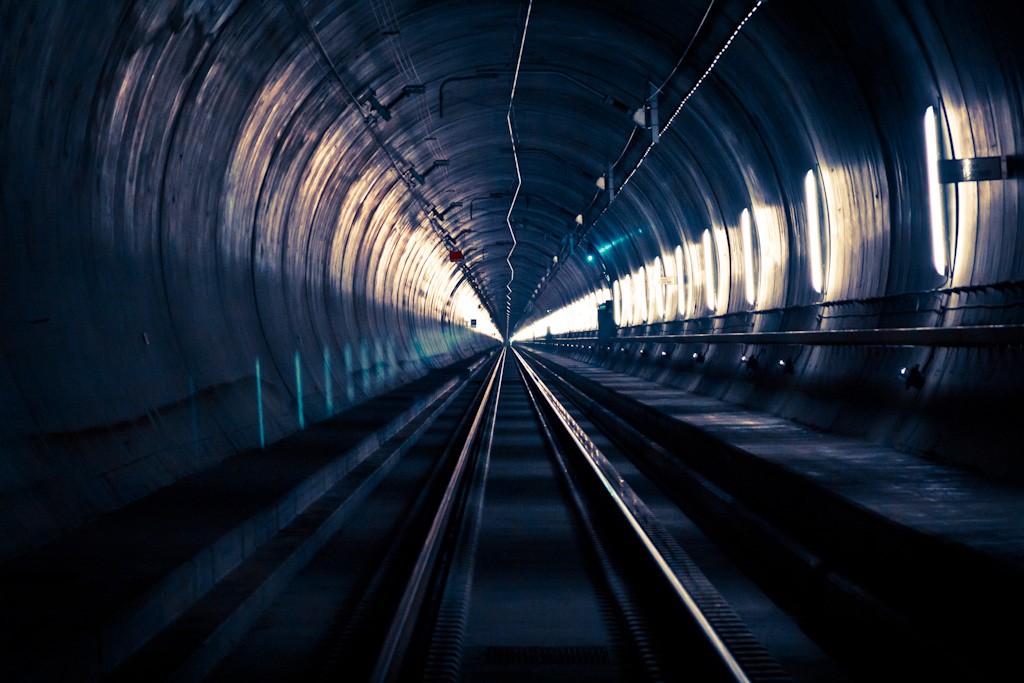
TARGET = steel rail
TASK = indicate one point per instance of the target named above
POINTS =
(965, 336)
(613, 581)
(593, 455)
(396, 642)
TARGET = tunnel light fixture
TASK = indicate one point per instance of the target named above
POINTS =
(617, 302)
(748, 256)
(709, 270)
(935, 192)
(655, 274)
(680, 293)
(641, 298)
(912, 377)
(813, 229)
(627, 300)
(698, 357)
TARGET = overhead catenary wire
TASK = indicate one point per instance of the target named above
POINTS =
(686, 52)
(519, 175)
(581, 234)
(693, 89)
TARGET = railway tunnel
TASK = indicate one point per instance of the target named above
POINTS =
(754, 265)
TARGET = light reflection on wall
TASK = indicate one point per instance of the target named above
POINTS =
(749, 259)
(617, 302)
(626, 285)
(682, 296)
(579, 316)
(964, 224)
(695, 278)
(640, 296)
(709, 270)
(811, 205)
(468, 308)
(669, 285)
(771, 251)
(721, 240)
(692, 277)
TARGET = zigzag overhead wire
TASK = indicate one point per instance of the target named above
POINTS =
(519, 175)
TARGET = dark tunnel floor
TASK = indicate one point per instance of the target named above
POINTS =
(115, 580)
(856, 538)
(121, 575)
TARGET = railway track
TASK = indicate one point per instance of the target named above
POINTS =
(485, 537)
(523, 556)
(541, 563)
(510, 517)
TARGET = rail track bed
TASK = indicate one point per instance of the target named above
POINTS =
(522, 516)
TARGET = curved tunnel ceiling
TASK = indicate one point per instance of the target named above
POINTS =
(190, 186)
(392, 116)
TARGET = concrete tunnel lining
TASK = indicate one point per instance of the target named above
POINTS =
(187, 189)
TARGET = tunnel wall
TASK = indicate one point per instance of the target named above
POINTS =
(841, 91)
(188, 204)
(965, 413)
(190, 188)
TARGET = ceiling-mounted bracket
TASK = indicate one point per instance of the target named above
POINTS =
(493, 195)
(978, 169)
(421, 178)
(372, 108)
(441, 214)
(646, 117)
(489, 74)
(607, 182)
(412, 89)
(651, 106)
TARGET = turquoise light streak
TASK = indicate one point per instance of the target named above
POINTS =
(327, 382)
(604, 248)
(298, 389)
(259, 402)
(350, 387)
